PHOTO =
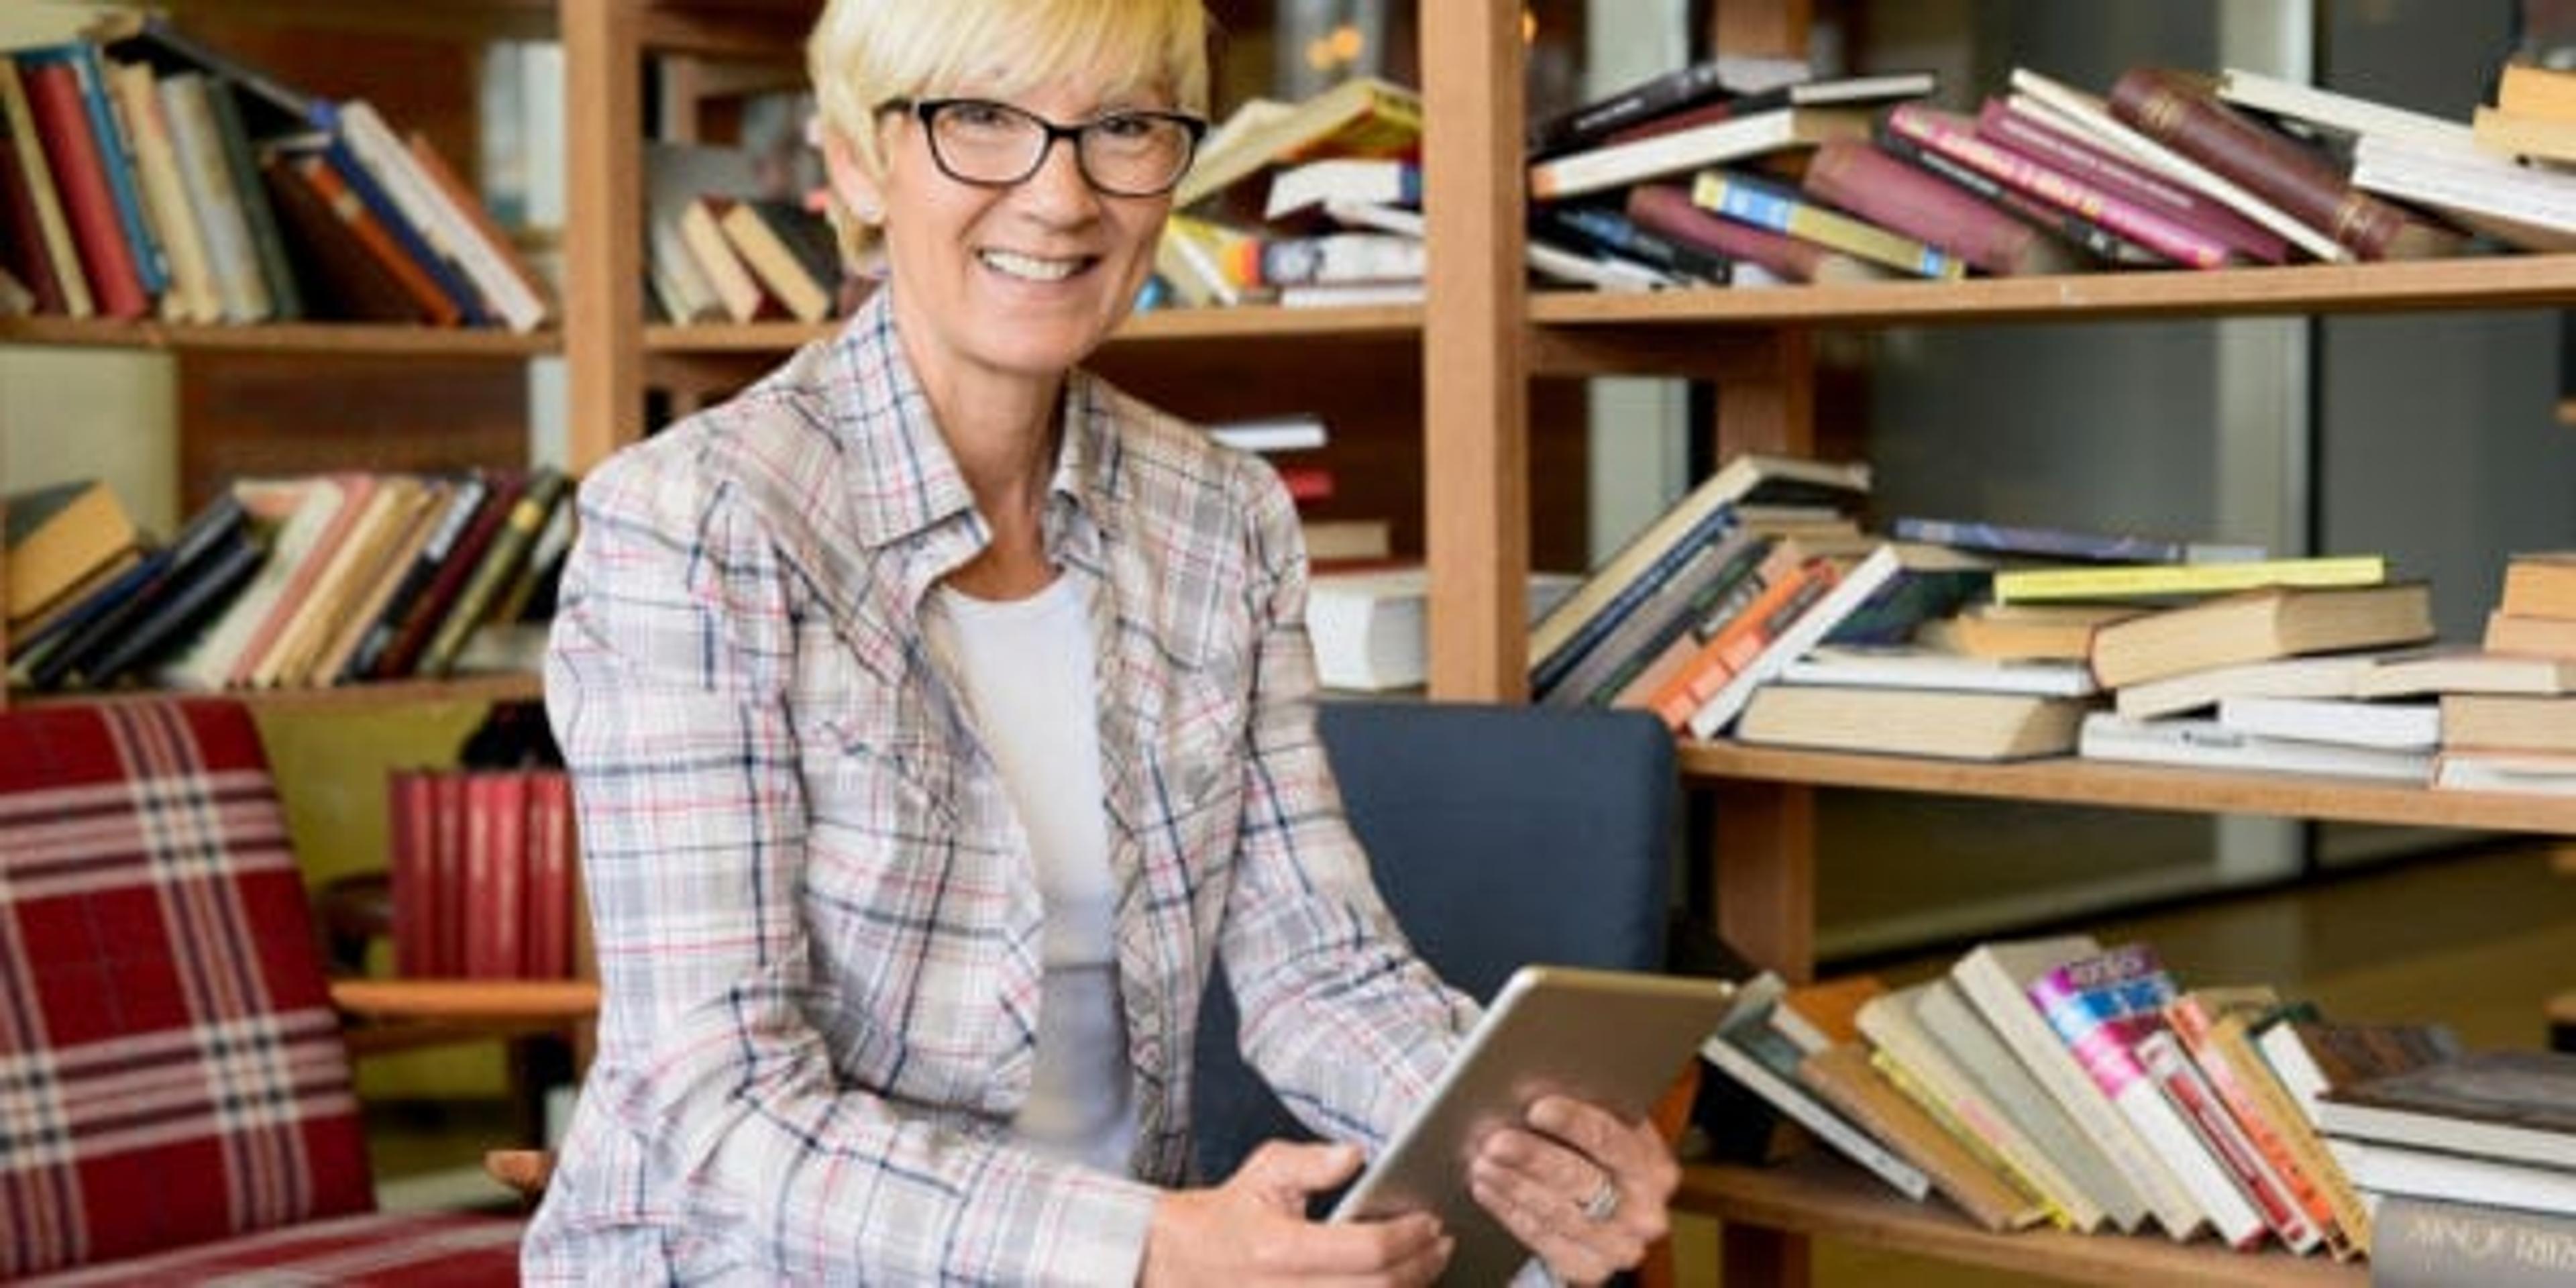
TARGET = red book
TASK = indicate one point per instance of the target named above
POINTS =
(1668, 209)
(1737, 643)
(1877, 187)
(2028, 136)
(344, 204)
(496, 874)
(412, 813)
(62, 120)
(1955, 137)
(550, 861)
(22, 240)
(1307, 483)
(446, 958)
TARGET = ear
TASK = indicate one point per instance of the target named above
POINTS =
(860, 193)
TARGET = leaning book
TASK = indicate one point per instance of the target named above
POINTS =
(2511, 1106)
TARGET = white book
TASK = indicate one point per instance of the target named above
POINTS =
(1618, 165)
(1892, 1022)
(193, 295)
(1913, 666)
(680, 284)
(1370, 628)
(2206, 744)
(2333, 675)
(2539, 773)
(2466, 670)
(2342, 113)
(1546, 259)
(200, 152)
(1374, 181)
(2530, 207)
(2348, 722)
(1993, 978)
(1810, 629)
(1949, 1019)
(2093, 120)
(1290, 433)
(445, 225)
(2383, 1168)
(2248, 1189)
(307, 506)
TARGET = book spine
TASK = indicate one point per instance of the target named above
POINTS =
(1337, 257)
(1979, 1141)
(447, 874)
(268, 242)
(1848, 1083)
(2076, 230)
(2264, 161)
(412, 811)
(1667, 209)
(2025, 585)
(501, 560)
(2188, 1091)
(2237, 1088)
(116, 162)
(22, 236)
(88, 205)
(1552, 666)
(191, 296)
(53, 224)
(327, 182)
(1734, 583)
(1869, 183)
(550, 899)
(1803, 1109)
(1594, 122)
(186, 103)
(1745, 201)
(478, 893)
(2423, 1243)
(414, 242)
(1622, 235)
(1951, 138)
(1796, 633)
(1741, 640)
(2022, 134)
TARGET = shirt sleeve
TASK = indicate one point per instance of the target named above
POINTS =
(1348, 1026)
(667, 681)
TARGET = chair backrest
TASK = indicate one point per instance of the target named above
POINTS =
(1500, 835)
(171, 1070)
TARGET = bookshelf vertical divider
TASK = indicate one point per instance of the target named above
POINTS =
(603, 288)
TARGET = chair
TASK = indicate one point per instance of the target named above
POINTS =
(175, 1098)
(1500, 835)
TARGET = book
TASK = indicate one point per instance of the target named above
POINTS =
(346, 256)
(478, 269)
(2148, 581)
(2386, 1170)
(1752, 477)
(2474, 769)
(1362, 181)
(1915, 666)
(408, 581)
(2540, 585)
(1292, 432)
(1956, 139)
(410, 820)
(2091, 118)
(2067, 543)
(289, 515)
(1788, 640)
(736, 286)
(1952, 1022)
(1667, 209)
(115, 144)
(308, 544)
(2529, 208)
(1745, 1049)
(72, 152)
(2202, 743)
(775, 243)
(2536, 138)
(545, 489)
(1716, 660)
(1892, 1023)
(2345, 114)
(1725, 77)
(22, 229)
(2215, 1024)
(1332, 257)
(1613, 232)
(2507, 1106)
(1993, 978)
(2427, 1243)
(1737, 138)
(2310, 1058)
(2258, 625)
(2550, 637)
(409, 529)
(462, 195)
(1845, 1078)
(349, 567)
(1364, 116)
(2022, 631)
(192, 295)
(1370, 628)
(551, 903)
(187, 107)
(259, 213)
(1747, 200)
(53, 226)
(1716, 579)
(270, 106)
(496, 874)
(2509, 722)
(163, 573)
(1944, 725)
(199, 585)
(2337, 675)
(2464, 670)
(2188, 1091)
(1856, 176)
(2184, 113)
(57, 536)
(2025, 126)
(2350, 722)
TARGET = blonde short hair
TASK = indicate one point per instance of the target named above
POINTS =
(864, 52)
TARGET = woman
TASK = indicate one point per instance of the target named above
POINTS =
(938, 714)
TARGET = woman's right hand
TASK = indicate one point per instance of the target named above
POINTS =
(1253, 1230)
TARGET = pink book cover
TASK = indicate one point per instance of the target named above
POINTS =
(504, 804)
(447, 874)
(411, 814)
(2037, 140)
(1954, 136)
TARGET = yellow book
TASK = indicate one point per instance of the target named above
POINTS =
(1978, 1147)
(2143, 581)
(1361, 117)
(1781, 210)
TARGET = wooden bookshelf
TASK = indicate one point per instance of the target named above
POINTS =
(362, 339)
(1814, 1195)
(345, 697)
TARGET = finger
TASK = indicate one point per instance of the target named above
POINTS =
(1285, 1172)
(1367, 1249)
(1545, 1164)
(1619, 1145)
(1542, 1230)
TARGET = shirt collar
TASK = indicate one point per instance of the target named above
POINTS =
(904, 479)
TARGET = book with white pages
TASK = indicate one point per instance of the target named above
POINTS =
(2531, 773)
(2384, 1168)
(1369, 627)
(2466, 670)
(2341, 113)
(1852, 590)
(2203, 743)
(2331, 675)
(1552, 261)
(1288, 433)
(2091, 119)
(1915, 666)
(2347, 722)
(2528, 207)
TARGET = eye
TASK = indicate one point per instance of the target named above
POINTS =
(977, 114)
(1128, 127)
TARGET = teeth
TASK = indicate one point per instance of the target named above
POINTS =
(1030, 267)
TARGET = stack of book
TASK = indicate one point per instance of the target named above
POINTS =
(729, 239)
(483, 873)
(2469, 1159)
(64, 542)
(316, 581)
(144, 174)
(2053, 1081)
(1829, 180)
(2509, 712)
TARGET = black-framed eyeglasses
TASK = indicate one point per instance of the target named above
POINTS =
(996, 145)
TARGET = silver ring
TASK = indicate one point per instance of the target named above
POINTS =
(1604, 1202)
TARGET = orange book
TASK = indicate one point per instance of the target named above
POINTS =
(344, 205)
(1740, 641)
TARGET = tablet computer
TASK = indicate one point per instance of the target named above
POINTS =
(1614, 1038)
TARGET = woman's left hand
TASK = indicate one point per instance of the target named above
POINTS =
(1583, 1188)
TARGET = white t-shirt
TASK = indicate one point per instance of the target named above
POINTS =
(1028, 670)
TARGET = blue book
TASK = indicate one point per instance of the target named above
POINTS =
(1548, 672)
(415, 243)
(2061, 543)
(115, 156)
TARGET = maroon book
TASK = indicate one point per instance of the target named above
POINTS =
(430, 607)
(1877, 187)
(62, 121)
(2036, 140)
(549, 895)
(1668, 209)
(22, 240)
(2183, 114)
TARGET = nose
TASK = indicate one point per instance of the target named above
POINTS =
(1058, 189)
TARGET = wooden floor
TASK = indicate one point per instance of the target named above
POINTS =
(2478, 941)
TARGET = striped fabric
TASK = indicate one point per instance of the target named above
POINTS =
(171, 1071)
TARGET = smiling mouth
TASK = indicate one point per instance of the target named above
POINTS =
(1031, 268)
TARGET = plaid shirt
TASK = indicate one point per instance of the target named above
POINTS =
(818, 922)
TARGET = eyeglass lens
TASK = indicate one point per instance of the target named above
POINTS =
(1127, 153)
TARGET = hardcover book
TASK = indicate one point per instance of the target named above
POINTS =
(1667, 209)
(2021, 124)
(56, 537)
(1956, 138)
(89, 206)
(192, 295)
(1853, 174)
(1737, 138)
(2511, 1106)
(52, 226)
(1747, 200)
(2069, 544)
(2425, 1243)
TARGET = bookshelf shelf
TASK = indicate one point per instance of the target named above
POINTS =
(2483, 282)
(2069, 781)
(1814, 1195)
(347, 697)
(341, 338)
